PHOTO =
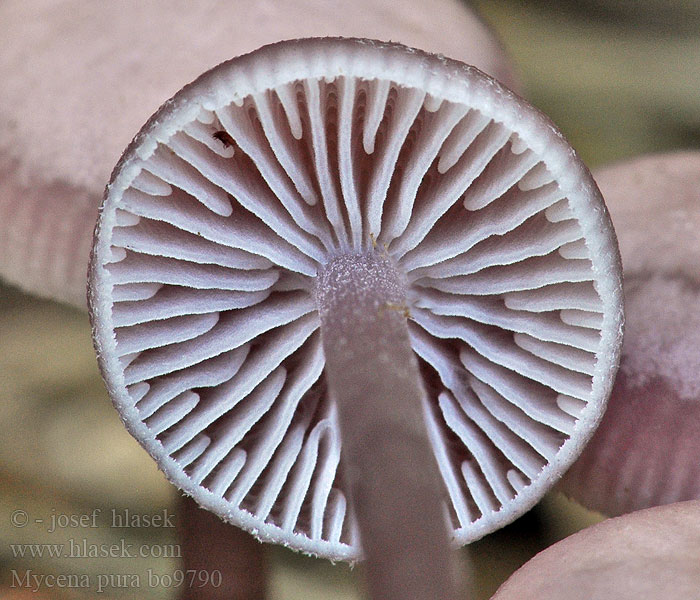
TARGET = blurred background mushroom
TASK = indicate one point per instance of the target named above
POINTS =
(646, 451)
(80, 78)
(648, 554)
(583, 70)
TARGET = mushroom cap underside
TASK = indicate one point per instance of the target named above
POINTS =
(223, 209)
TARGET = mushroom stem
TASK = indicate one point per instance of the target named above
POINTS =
(227, 562)
(389, 467)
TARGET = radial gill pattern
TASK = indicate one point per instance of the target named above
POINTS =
(247, 182)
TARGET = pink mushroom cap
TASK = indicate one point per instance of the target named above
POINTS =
(646, 451)
(649, 554)
(79, 78)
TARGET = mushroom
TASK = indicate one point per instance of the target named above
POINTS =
(336, 243)
(646, 555)
(646, 450)
(70, 57)
(66, 64)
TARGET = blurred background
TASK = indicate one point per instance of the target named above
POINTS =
(619, 77)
